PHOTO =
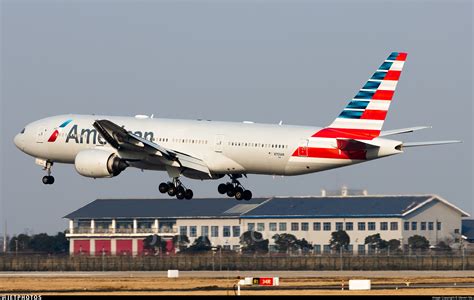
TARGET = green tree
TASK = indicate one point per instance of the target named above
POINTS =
(60, 243)
(201, 244)
(418, 242)
(154, 243)
(181, 242)
(22, 241)
(253, 242)
(42, 242)
(285, 242)
(339, 239)
(304, 245)
(442, 246)
(383, 245)
(394, 245)
(375, 242)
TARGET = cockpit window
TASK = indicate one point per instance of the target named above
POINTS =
(23, 131)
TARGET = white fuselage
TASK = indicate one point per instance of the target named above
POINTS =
(226, 147)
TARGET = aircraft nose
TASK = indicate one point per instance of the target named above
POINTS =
(18, 140)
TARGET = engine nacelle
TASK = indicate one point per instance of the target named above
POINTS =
(99, 163)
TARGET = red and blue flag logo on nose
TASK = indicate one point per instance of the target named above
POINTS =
(56, 132)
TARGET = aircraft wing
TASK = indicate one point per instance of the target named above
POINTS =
(121, 139)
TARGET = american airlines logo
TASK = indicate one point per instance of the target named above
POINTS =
(91, 136)
(56, 132)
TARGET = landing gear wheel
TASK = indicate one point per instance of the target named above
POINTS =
(188, 194)
(164, 187)
(234, 188)
(239, 195)
(48, 179)
(180, 189)
(247, 195)
(172, 191)
(222, 188)
(231, 192)
(176, 188)
(180, 193)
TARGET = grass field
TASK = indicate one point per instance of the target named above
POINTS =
(224, 286)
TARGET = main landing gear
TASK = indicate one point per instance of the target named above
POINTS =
(48, 179)
(234, 189)
(176, 188)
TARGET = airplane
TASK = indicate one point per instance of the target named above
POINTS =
(104, 146)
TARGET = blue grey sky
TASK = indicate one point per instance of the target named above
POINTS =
(264, 61)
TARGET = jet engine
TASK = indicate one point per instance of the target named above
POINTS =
(99, 163)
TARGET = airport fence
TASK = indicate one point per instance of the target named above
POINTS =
(235, 262)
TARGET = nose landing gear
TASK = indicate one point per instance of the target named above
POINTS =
(48, 179)
(176, 188)
(234, 189)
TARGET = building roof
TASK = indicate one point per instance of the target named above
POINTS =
(274, 207)
(162, 208)
(468, 229)
(345, 206)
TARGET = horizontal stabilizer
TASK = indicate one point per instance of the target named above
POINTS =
(419, 144)
(403, 130)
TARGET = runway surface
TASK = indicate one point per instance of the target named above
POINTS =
(230, 274)
(223, 283)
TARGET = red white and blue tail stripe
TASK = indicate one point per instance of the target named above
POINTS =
(365, 114)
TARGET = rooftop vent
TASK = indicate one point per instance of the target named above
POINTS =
(344, 191)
